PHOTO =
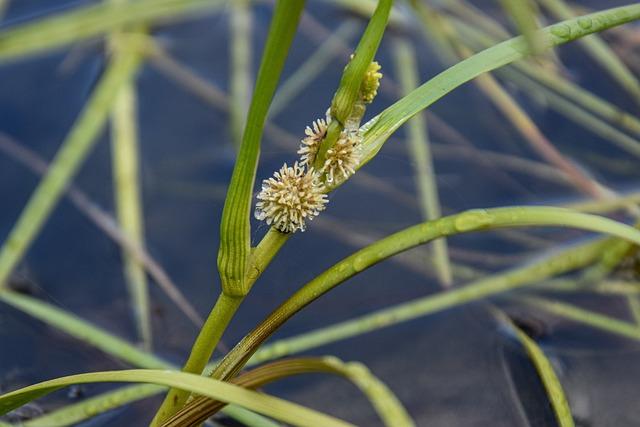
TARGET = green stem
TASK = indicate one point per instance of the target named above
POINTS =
(207, 340)
(218, 320)
(411, 237)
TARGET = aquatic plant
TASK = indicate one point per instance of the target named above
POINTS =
(332, 151)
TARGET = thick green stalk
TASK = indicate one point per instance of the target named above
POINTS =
(217, 321)
(235, 228)
(206, 341)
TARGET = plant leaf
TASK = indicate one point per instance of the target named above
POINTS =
(377, 130)
(268, 405)
(92, 21)
(235, 229)
(473, 220)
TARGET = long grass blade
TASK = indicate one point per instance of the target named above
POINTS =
(85, 22)
(379, 395)
(82, 330)
(235, 229)
(382, 126)
(422, 161)
(585, 317)
(125, 154)
(599, 51)
(550, 381)
(262, 403)
(469, 221)
(240, 72)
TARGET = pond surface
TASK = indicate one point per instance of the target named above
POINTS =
(453, 368)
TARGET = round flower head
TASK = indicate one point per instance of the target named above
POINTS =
(310, 143)
(371, 82)
(343, 158)
(290, 198)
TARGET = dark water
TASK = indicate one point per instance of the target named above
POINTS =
(456, 368)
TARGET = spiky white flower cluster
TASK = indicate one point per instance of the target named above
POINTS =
(343, 158)
(291, 197)
(311, 143)
(297, 194)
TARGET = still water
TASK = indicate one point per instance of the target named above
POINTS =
(454, 368)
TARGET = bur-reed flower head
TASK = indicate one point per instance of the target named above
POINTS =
(291, 197)
(371, 82)
(343, 158)
(311, 142)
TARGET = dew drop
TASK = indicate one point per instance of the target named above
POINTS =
(561, 30)
(473, 220)
(585, 23)
(360, 263)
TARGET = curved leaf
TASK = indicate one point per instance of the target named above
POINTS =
(268, 405)
(377, 130)
(473, 220)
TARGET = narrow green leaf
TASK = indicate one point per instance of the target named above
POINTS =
(599, 51)
(69, 158)
(550, 381)
(558, 83)
(259, 402)
(381, 397)
(124, 149)
(82, 330)
(348, 91)
(347, 96)
(469, 221)
(73, 414)
(377, 130)
(422, 161)
(235, 229)
(558, 263)
(585, 317)
(240, 67)
(85, 22)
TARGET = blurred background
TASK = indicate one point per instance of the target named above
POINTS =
(453, 368)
